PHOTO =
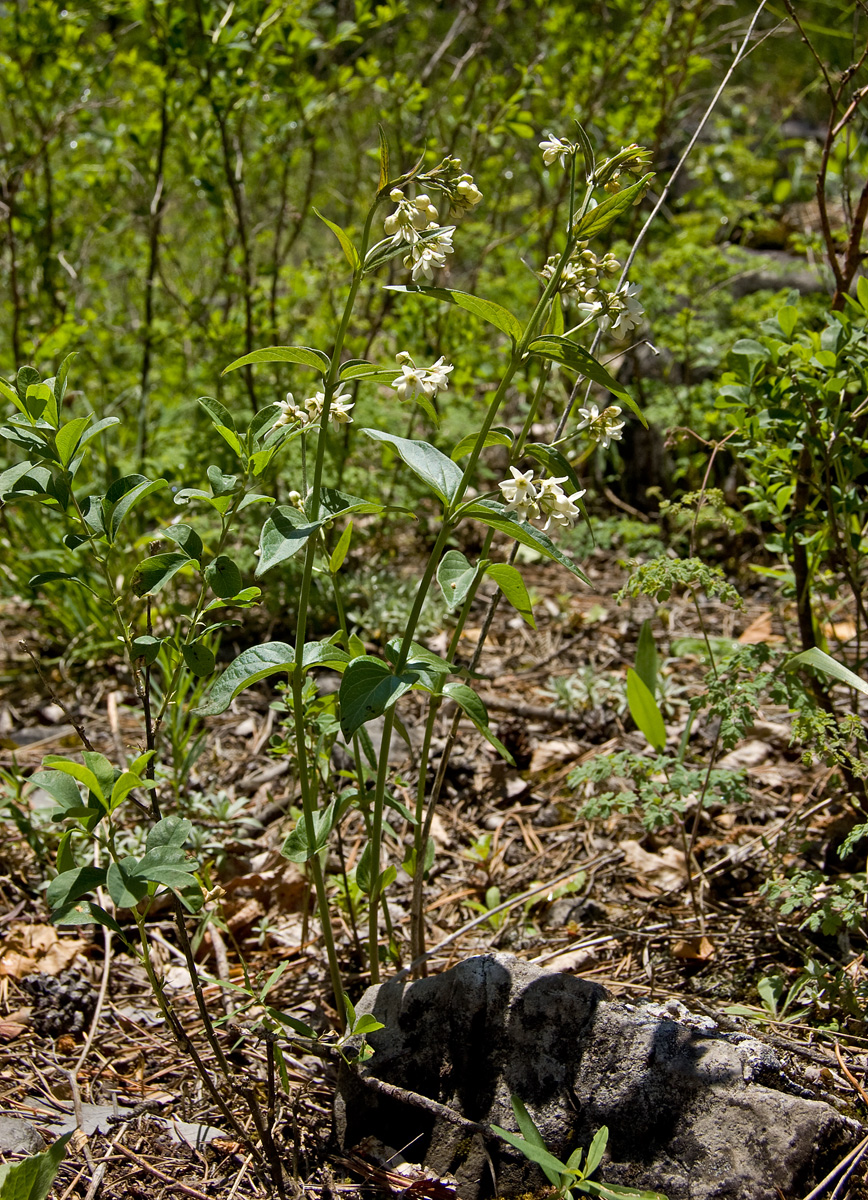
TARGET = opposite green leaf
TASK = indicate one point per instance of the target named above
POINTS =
(439, 472)
(598, 219)
(152, 575)
(284, 533)
(303, 355)
(350, 252)
(510, 582)
(496, 516)
(494, 314)
(455, 576)
(368, 688)
(565, 350)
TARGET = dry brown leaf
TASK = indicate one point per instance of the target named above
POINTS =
(31, 948)
(665, 871)
(751, 753)
(693, 949)
(759, 630)
(9, 1030)
(841, 631)
(572, 960)
(553, 752)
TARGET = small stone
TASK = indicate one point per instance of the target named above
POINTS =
(19, 1137)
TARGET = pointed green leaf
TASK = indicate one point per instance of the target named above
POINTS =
(494, 314)
(219, 413)
(125, 783)
(93, 430)
(123, 495)
(646, 658)
(525, 1121)
(78, 771)
(384, 157)
(495, 515)
(152, 574)
(186, 537)
(336, 560)
(248, 668)
(599, 219)
(496, 437)
(612, 1191)
(339, 504)
(825, 663)
(43, 577)
(71, 885)
(84, 912)
(296, 847)
(31, 1179)
(62, 788)
(574, 356)
(11, 395)
(169, 831)
(473, 707)
(367, 1022)
(124, 886)
(350, 252)
(439, 472)
(303, 355)
(388, 248)
(552, 1167)
(557, 465)
(645, 711)
(597, 1149)
(367, 689)
(510, 582)
(366, 370)
(455, 576)
(223, 577)
(10, 477)
(285, 532)
(68, 438)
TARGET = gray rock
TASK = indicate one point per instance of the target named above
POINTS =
(693, 1112)
(19, 1137)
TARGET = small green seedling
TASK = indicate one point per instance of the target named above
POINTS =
(568, 1177)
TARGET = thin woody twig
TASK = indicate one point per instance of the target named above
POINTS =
(77, 726)
(158, 1174)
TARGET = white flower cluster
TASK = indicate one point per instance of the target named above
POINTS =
(427, 380)
(533, 499)
(602, 427)
(582, 273)
(619, 311)
(554, 149)
(411, 219)
(311, 410)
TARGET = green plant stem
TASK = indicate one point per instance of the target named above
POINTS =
(451, 515)
(423, 820)
(184, 1041)
(307, 799)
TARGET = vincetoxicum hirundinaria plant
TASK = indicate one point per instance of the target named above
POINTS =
(371, 687)
(317, 523)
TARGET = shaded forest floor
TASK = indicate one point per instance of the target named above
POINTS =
(612, 902)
